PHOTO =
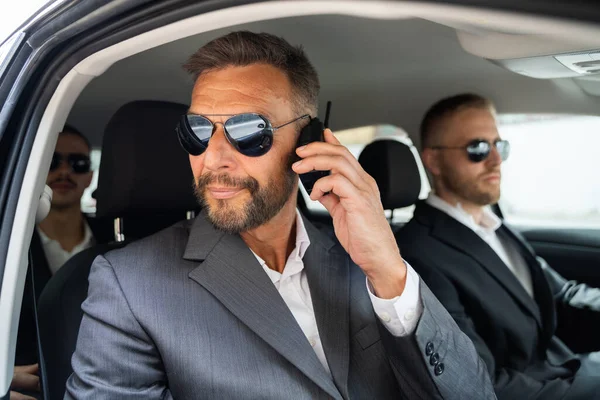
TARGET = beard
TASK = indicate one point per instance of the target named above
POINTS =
(265, 201)
(470, 189)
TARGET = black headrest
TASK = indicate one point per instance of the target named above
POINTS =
(143, 168)
(393, 165)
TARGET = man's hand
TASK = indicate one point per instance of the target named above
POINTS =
(352, 198)
(25, 378)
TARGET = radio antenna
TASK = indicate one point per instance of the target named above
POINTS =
(327, 112)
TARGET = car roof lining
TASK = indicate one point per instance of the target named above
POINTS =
(468, 21)
(411, 50)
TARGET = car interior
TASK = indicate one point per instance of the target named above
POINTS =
(381, 64)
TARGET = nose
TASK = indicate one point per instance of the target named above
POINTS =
(63, 168)
(494, 158)
(218, 154)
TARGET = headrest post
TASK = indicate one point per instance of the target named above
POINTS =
(190, 215)
(118, 230)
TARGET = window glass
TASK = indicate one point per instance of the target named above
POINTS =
(88, 203)
(15, 13)
(551, 176)
(355, 140)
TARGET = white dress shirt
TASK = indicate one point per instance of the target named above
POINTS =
(487, 231)
(56, 255)
(399, 315)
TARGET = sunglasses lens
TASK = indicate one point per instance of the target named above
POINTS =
(251, 134)
(201, 127)
(80, 163)
(56, 158)
(503, 147)
(478, 150)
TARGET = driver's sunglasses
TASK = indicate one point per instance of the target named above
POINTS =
(479, 149)
(78, 162)
(251, 134)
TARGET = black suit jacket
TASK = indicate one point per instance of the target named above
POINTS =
(26, 352)
(513, 333)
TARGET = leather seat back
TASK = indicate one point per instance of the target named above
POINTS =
(144, 179)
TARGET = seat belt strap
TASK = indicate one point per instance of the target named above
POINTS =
(41, 362)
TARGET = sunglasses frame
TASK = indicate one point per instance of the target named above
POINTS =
(194, 146)
(66, 157)
(472, 156)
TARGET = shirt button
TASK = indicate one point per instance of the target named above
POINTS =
(313, 342)
(385, 317)
(409, 315)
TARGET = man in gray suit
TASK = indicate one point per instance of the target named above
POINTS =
(249, 300)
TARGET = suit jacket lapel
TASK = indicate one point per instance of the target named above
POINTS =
(327, 271)
(41, 268)
(542, 292)
(455, 234)
(231, 273)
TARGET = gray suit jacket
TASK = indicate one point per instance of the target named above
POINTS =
(189, 313)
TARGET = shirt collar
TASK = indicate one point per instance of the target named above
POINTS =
(489, 221)
(302, 243)
(43, 237)
(302, 239)
(88, 235)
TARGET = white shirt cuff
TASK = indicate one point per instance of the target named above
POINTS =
(401, 314)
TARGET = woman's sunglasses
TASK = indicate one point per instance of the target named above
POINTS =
(79, 163)
(479, 149)
(251, 134)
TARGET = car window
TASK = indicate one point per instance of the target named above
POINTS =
(551, 176)
(355, 140)
(88, 203)
(16, 13)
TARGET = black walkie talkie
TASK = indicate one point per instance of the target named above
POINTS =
(313, 132)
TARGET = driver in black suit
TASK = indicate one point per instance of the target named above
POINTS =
(485, 274)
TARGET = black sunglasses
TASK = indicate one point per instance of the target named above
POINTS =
(479, 149)
(79, 163)
(251, 134)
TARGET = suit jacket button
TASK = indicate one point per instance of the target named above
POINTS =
(429, 349)
(439, 369)
(435, 359)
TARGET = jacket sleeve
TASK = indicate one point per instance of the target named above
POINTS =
(438, 360)
(114, 357)
(508, 383)
(570, 293)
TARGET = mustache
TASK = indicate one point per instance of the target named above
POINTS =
(63, 180)
(239, 183)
